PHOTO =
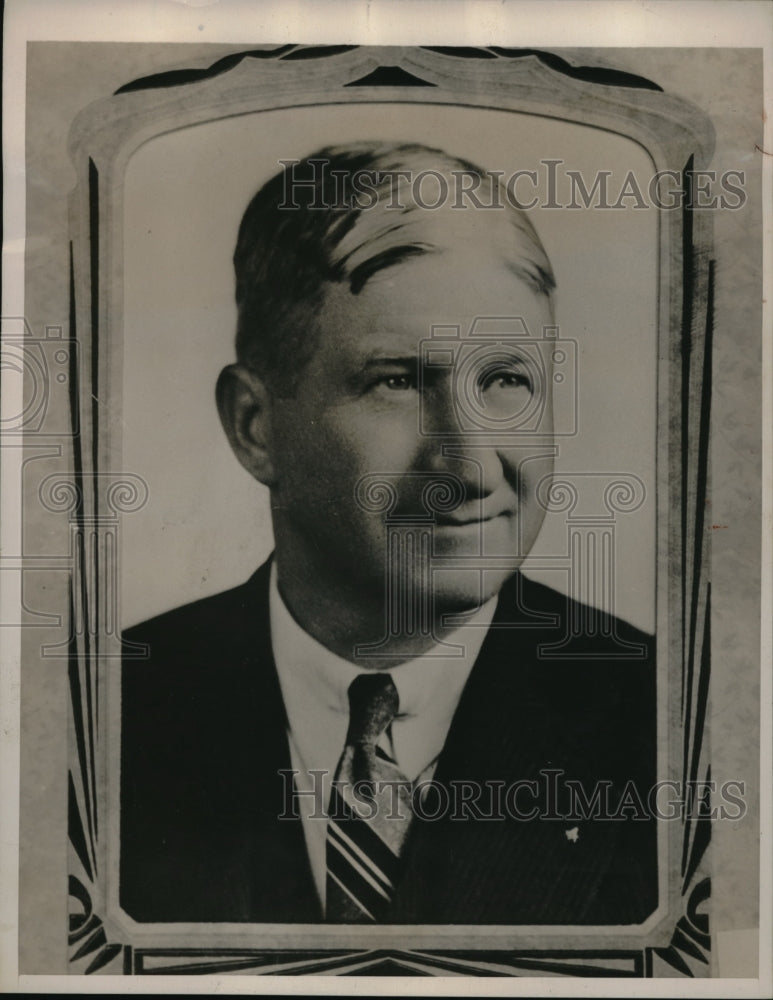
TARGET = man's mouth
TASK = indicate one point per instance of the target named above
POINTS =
(461, 518)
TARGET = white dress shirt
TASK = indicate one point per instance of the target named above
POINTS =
(315, 684)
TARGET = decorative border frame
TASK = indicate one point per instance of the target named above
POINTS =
(678, 137)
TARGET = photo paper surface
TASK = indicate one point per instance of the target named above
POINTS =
(387, 434)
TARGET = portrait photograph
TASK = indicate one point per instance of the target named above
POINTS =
(387, 447)
(420, 468)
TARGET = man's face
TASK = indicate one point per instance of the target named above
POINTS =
(377, 403)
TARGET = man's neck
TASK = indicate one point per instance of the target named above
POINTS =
(353, 621)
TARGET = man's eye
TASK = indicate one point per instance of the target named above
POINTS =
(506, 380)
(397, 383)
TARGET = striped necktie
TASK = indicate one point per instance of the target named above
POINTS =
(370, 809)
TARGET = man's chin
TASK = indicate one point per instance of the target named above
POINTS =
(455, 591)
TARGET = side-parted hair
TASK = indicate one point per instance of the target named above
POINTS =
(341, 215)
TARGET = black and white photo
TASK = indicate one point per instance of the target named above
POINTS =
(388, 446)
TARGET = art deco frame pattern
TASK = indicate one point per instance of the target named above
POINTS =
(677, 137)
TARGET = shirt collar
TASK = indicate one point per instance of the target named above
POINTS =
(315, 683)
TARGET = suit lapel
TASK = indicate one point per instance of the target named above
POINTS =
(281, 883)
(467, 869)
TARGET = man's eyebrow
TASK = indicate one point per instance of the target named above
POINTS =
(402, 360)
(381, 261)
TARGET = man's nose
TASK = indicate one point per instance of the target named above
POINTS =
(455, 446)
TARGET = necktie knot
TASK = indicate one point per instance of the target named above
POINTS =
(373, 704)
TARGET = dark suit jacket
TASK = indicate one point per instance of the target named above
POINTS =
(204, 740)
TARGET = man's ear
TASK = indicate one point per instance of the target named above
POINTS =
(244, 405)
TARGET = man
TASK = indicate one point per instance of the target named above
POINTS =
(388, 722)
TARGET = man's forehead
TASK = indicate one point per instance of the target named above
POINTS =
(475, 294)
